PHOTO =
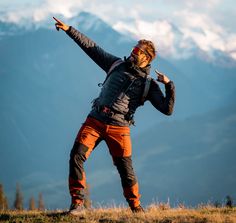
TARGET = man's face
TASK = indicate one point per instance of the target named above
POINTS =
(139, 56)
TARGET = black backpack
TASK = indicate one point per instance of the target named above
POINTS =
(147, 82)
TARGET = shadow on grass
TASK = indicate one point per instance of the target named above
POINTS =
(57, 215)
(9, 217)
(4, 217)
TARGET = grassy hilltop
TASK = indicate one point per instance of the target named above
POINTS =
(157, 214)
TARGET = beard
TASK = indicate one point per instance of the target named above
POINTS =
(136, 61)
(133, 59)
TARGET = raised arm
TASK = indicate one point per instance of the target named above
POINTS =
(96, 53)
(164, 104)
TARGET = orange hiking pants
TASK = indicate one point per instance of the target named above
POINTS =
(118, 141)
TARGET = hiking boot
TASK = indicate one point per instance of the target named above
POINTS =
(75, 209)
(137, 209)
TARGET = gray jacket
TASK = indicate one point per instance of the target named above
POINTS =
(122, 91)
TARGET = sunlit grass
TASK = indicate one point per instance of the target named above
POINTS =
(154, 213)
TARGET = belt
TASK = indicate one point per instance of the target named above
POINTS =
(108, 112)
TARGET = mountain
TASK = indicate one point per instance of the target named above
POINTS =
(191, 161)
(188, 162)
(46, 86)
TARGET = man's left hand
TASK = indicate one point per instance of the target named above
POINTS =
(162, 77)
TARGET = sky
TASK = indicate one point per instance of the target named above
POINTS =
(176, 27)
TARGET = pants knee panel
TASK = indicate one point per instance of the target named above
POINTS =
(125, 169)
(78, 152)
(77, 158)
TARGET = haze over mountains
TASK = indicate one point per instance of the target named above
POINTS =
(46, 86)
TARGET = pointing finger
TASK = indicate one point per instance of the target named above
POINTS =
(57, 20)
(158, 73)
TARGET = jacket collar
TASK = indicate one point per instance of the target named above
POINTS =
(142, 72)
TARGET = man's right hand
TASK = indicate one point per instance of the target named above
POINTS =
(60, 25)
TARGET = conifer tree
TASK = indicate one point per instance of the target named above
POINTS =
(229, 201)
(3, 199)
(5, 203)
(32, 204)
(40, 202)
(18, 204)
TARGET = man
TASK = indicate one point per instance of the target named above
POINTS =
(112, 113)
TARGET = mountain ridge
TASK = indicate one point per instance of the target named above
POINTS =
(91, 22)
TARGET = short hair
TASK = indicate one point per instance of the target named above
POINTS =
(149, 47)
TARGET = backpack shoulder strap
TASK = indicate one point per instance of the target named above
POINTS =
(146, 88)
(113, 66)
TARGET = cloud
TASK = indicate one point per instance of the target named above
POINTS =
(158, 32)
(180, 35)
(199, 5)
(205, 32)
(39, 12)
(178, 28)
(231, 46)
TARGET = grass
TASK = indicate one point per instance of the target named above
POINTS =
(154, 213)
